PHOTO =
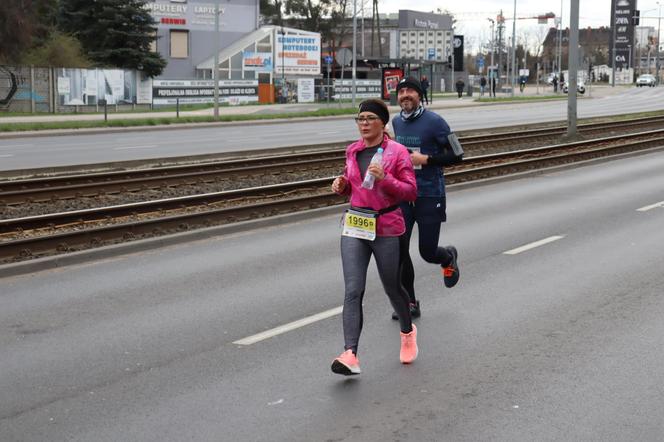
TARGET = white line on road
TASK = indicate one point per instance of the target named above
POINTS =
(12, 146)
(6, 155)
(329, 132)
(289, 327)
(150, 146)
(650, 207)
(532, 245)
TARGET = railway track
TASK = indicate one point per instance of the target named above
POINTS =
(88, 185)
(28, 237)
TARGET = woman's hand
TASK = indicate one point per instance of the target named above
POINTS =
(377, 171)
(339, 184)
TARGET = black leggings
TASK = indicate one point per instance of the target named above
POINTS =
(429, 213)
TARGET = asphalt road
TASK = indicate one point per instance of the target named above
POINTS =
(562, 341)
(34, 152)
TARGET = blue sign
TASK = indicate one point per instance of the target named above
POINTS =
(431, 53)
(328, 59)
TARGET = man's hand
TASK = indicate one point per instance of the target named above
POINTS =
(419, 159)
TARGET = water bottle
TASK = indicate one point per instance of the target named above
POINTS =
(369, 179)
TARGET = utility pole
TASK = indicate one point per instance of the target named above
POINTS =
(215, 68)
(355, 50)
(573, 61)
(513, 50)
(613, 49)
(659, 20)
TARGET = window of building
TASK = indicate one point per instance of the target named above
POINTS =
(179, 44)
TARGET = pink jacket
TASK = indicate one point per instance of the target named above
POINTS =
(398, 185)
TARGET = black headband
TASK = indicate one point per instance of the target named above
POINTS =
(372, 106)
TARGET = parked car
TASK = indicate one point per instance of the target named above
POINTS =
(580, 87)
(646, 80)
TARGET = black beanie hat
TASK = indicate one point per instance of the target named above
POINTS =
(376, 107)
(412, 83)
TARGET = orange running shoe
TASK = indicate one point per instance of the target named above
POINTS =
(346, 364)
(408, 346)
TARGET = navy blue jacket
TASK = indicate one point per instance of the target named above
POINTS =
(428, 133)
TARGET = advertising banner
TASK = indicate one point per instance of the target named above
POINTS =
(297, 54)
(306, 92)
(343, 89)
(202, 91)
(622, 17)
(257, 61)
(457, 43)
(391, 78)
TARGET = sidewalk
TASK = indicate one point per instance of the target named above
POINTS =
(448, 101)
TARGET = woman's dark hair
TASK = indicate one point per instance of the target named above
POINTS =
(377, 107)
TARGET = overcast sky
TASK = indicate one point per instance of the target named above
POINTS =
(472, 15)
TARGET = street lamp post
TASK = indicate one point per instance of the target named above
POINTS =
(354, 76)
(659, 20)
(283, 65)
(513, 50)
(215, 71)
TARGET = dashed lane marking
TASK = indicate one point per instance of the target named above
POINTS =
(288, 327)
(6, 155)
(650, 207)
(150, 146)
(533, 245)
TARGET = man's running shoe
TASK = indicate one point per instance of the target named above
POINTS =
(346, 364)
(408, 346)
(414, 311)
(451, 272)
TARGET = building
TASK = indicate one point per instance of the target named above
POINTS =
(186, 31)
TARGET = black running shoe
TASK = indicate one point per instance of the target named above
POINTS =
(451, 272)
(414, 311)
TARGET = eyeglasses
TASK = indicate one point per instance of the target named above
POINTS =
(363, 120)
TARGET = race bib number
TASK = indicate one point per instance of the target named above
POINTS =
(359, 225)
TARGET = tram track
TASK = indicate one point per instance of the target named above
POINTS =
(27, 237)
(45, 189)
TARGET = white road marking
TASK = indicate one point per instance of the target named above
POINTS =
(329, 132)
(11, 146)
(533, 245)
(288, 327)
(650, 207)
(6, 155)
(150, 146)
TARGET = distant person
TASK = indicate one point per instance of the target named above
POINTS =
(482, 85)
(492, 89)
(459, 87)
(522, 83)
(554, 81)
(425, 88)
(374, 226)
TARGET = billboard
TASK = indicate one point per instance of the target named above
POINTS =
(457, 44)
(297, 54)
(202, 91)
(390, 79)
(257, 61)
(622, 26)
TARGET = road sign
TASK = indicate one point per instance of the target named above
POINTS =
(328, 59)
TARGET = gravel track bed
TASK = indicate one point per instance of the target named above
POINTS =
(8, 212)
